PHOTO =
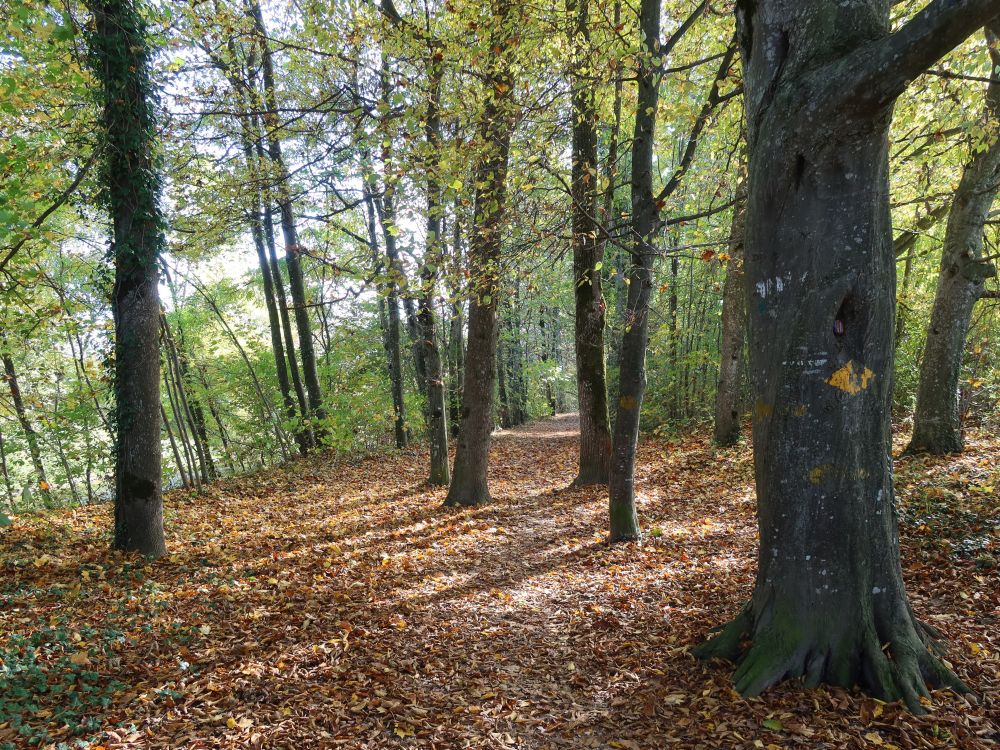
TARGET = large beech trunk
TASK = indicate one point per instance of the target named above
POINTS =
(829, 602)
(937, 422)
(734, 318)
(121, 64)
(591, 368)
(469, 478)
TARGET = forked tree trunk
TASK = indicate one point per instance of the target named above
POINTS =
(469, 479)
(591, 368)
(734, 316)
(120, 59)
(937, 422)
(829, 603)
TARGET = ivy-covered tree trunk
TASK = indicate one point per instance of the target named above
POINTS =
(30, 434)
(937, 422)
(469, 484)
(829, 603)
(734, 316)
(120, 60)
(591, 367)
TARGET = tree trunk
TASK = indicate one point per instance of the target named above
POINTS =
(302, 437)
(388, 317)
(469, 479)
(437, 417)
(937, 421)
(286, 323)
(456, 365)
(591, 368)
(121, 65)
(173, 398)
(296, 279)
(624, 523)
(6, 475)
(30, 435)
(734, 317)
(198, 435)
(173, 446)
(829, 602)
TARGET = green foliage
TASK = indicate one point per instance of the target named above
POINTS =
(48, 679)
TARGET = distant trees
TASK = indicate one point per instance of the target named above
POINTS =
(829, 603)
(130, 186)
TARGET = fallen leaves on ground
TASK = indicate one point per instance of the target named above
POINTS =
(326, 605)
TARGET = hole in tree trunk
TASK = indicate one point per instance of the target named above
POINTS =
(800, 170)
(849, 326)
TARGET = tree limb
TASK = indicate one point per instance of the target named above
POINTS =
(877, 73)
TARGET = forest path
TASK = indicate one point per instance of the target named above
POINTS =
(323, 605)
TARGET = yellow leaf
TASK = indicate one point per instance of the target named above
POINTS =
(404, 730)
(874, 738)
(80, 659)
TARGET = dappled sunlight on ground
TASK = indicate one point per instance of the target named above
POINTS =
(324, 605)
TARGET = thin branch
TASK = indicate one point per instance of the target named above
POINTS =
(63, 197)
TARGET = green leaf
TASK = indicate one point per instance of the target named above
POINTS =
(5, 521)
(772, 724)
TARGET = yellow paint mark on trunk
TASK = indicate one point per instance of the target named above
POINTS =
(817, 475)
(851, 380)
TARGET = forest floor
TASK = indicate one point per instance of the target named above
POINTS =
(323, 605)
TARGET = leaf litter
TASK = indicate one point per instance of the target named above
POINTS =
(339, 605)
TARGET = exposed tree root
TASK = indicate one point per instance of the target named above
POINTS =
(904, 669)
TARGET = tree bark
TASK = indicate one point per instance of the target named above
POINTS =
(591, 368)
(6, 475)
(302, 437)
(829, 603)
(437, 417)
(734, 316)
(388, 317)
(173, 446)
(937, 422)
(624, 523)
(289, 231)
(120, 59)
(30, 435)
(469, 484)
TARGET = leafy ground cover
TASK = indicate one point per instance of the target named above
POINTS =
(327, 605)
